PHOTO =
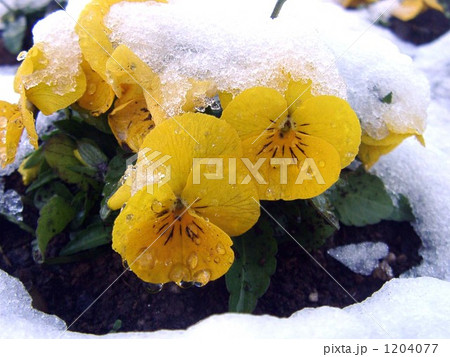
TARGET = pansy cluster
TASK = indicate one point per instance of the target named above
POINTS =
(245, 145)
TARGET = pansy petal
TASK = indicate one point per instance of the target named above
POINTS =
(121, 196)
(408, 9)
(130, 121)
(167, 246)
(333, 120)
(220, 196)
(370, 154)
(317, 166)
(297, 93)
(47, 98)
(197, 95)
(28, 121)
(434, 4)
(93, 34)
(11, 128)
(225, 99)
(391, 139)
(254, 110)
(99, 95)
(142, 209)
(124, 67)
(191, 135)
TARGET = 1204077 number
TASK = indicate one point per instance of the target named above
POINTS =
(411, 348)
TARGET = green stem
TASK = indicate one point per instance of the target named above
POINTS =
(277, 9)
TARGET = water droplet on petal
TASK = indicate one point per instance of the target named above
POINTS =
(185, 284)
(168, 262)
(179, 273)
(217, 260)
(157, 206)
(22, 55)
(197, 241)
(125, 265)
(153, 288)
(91, 88)
(192, 261)
(129, 217)
(322, 163)
(220, 249)
(145, 260)
(201, 277)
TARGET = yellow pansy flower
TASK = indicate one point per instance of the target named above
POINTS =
(48, 98)
(319, 134)
(99, 96)
(13, 119)
(371, 149)
(93, 34)
(137, 88)
(28, 175)
(409, 9)
(180, 231)
(356, 3)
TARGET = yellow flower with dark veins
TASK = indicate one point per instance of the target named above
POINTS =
(301, 141)
(136, 87)
(180, 230)
(409, 9)
(13, 119)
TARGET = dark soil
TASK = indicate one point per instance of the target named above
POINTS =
(425, 28)
(67, 290)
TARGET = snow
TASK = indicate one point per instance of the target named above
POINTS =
(360, 258)
(372, 68)
(56, 34)
(381, 316)
(234, 45)
(10, 203)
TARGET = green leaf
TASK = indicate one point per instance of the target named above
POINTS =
(402, 211)
(314, 228)
(58, 151)
(42, 180)
(91, 153)
(82, 203)
(361, 199)
(93, 236)
(323, 206)
(100, 122)
(249, 276)
(387, 98)
(35, 159)
(116, 169)
(14, 34)
(53, 218)
(45, 193)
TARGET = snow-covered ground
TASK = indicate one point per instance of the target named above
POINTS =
(422, 174)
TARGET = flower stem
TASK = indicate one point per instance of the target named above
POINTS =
(277, 9)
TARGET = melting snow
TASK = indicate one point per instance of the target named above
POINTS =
(360, 258)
